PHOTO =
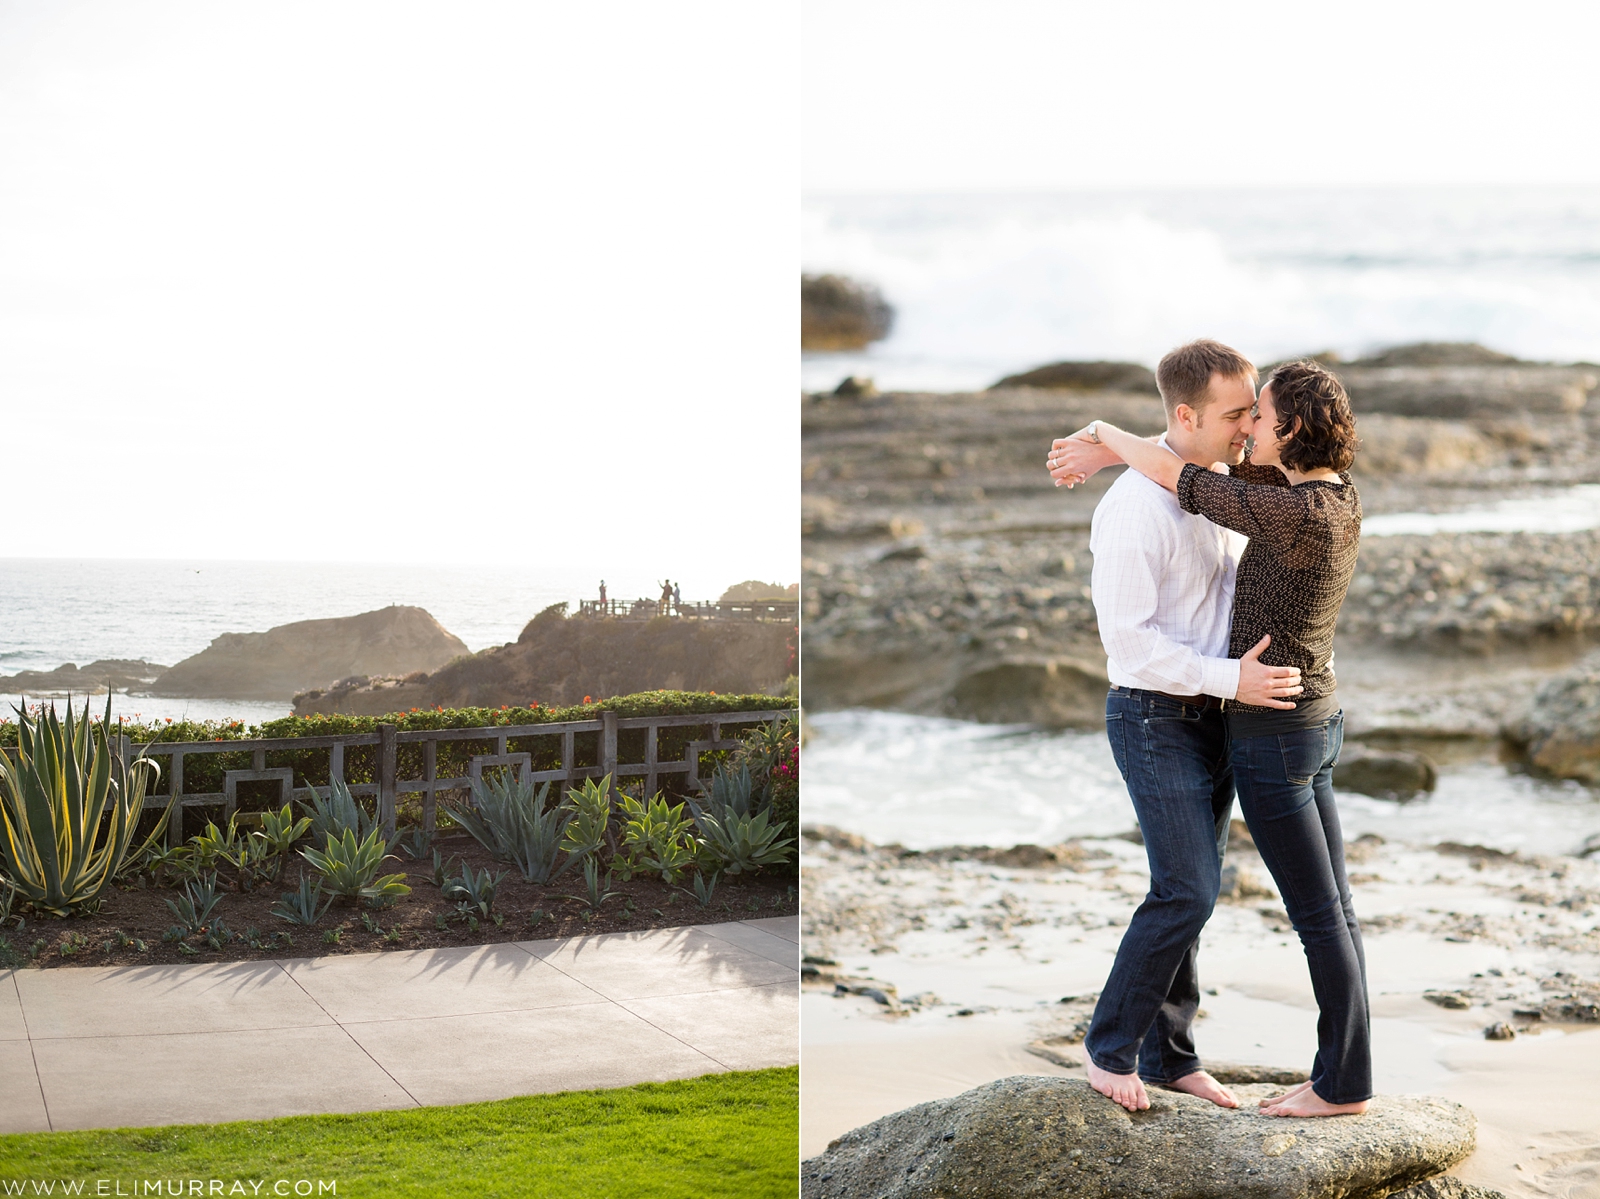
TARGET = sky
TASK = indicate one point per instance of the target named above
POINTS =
(909, 96)
(401, 282)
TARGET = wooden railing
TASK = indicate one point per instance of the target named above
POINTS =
(645, 609)
(387, 740)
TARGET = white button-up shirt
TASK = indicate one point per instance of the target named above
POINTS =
(1163, 591)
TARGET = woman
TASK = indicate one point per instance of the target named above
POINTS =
(1295, 502)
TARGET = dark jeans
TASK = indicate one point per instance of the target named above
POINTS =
(1286, 793)
(1174, 759)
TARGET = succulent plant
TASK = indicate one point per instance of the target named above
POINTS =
(69, 809)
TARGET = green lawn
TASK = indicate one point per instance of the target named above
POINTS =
(736, 1135)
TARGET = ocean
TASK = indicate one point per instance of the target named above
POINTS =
(988, 285)
(925, 782)
(79, 610)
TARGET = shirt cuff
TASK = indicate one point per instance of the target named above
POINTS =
(1219, 677)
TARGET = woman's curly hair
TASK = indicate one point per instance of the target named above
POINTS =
(1325, 436)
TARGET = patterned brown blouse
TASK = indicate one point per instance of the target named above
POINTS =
(1296, 569)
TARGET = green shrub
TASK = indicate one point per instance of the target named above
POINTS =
(204, 773)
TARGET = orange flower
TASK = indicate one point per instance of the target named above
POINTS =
(587, 700)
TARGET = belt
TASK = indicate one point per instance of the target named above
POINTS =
(1194, 701)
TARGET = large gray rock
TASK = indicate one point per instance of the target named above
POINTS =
(1436, 353)
(1031, 1136)
(1385, 774)
(117, 674)
(1560, 736)
(1467, 392)
(838, 313)
(1446, 1187)
(1400, 445)
(292, 658)
(1052, 692)
(1085, 376)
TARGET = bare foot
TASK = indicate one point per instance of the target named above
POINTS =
(1309, 1103)
(1126, 1089)
(1291, 1093)
(1203, 1085)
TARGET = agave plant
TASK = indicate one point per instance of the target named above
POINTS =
(350, 867)
(332, 816)
(743, 843)
(509, 819)
(658, 837)
(279, 831)
(246, 853)
(597, 889)
(195, 906)
(69, 809)
(167, 863)
(705, 888)
(304, 906)
(474, 891)
(590, 806)
(415, 842)
(729, 795)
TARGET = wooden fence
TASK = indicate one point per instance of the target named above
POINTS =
(387, 740)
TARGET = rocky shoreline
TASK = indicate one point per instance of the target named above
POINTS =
(945, 575)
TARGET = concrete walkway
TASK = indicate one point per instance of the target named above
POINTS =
(131, 1046)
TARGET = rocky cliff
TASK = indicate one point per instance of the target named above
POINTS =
(294, 657)
(559, 660)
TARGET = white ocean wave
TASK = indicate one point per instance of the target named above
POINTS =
(989, 285)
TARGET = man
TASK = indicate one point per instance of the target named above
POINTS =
(1163, 594)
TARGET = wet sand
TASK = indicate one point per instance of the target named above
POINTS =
(1004, 943)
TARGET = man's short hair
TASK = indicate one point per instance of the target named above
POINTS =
(1183, 375)
(1326, 436)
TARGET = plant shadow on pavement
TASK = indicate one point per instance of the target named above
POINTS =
(734, 1135)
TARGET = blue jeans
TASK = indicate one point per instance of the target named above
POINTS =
(1286, 793)
(1174, 758)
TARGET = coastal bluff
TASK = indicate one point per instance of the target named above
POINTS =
(560, 659)
(291, 658)
(1037, 1136)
